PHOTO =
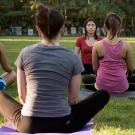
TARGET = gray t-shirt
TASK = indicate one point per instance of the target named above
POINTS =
(48, 70)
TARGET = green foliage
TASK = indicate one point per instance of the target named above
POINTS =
(20, 12)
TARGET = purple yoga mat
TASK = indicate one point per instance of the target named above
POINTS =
(7, 129)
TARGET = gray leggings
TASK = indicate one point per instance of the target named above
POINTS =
(81, 113)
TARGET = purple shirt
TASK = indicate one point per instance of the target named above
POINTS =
(111, 74)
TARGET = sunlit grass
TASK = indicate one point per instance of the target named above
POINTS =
(117, 118)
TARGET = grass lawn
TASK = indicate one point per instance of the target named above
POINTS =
(117, 118)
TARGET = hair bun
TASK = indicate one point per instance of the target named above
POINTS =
(40, 7)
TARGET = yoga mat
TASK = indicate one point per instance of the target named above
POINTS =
(127, 94)
(7, 129)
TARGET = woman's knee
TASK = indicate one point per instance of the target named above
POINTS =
(89, 79)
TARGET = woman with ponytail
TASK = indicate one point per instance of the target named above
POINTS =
(111, 58)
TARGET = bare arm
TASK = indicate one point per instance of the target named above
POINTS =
(21, 85)
(74, 89)
(129, 59)
(95, 62)
(9, 77)
(77, 50)
(3, 59)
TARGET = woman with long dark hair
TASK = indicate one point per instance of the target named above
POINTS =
(84, 44)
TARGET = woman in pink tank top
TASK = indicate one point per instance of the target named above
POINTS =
(111, 58)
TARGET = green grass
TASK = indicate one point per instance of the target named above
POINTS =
(117, 118)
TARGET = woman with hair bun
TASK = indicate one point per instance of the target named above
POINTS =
(48, 80)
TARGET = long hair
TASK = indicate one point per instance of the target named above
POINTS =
(84, 25)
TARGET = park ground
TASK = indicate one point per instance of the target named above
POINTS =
(117, 118)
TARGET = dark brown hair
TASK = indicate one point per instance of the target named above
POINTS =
(113, 23)
(84, 25)
(49, 21)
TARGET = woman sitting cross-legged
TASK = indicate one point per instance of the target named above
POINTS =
(48, 79)
(112, 58)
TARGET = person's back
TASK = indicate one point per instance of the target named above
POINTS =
(48, 70)
(111, 73)
(111, 58)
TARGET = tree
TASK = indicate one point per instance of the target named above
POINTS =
(20, 12)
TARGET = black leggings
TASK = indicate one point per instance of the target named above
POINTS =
(88, 69)
(81, 113)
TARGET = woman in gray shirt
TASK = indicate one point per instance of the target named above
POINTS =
(48, 80)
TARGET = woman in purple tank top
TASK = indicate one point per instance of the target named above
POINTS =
(111, 58)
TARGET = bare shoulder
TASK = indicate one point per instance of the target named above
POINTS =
(126, 44)
(98, 45)
(1, 46)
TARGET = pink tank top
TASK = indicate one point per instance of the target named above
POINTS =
(111, 74)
